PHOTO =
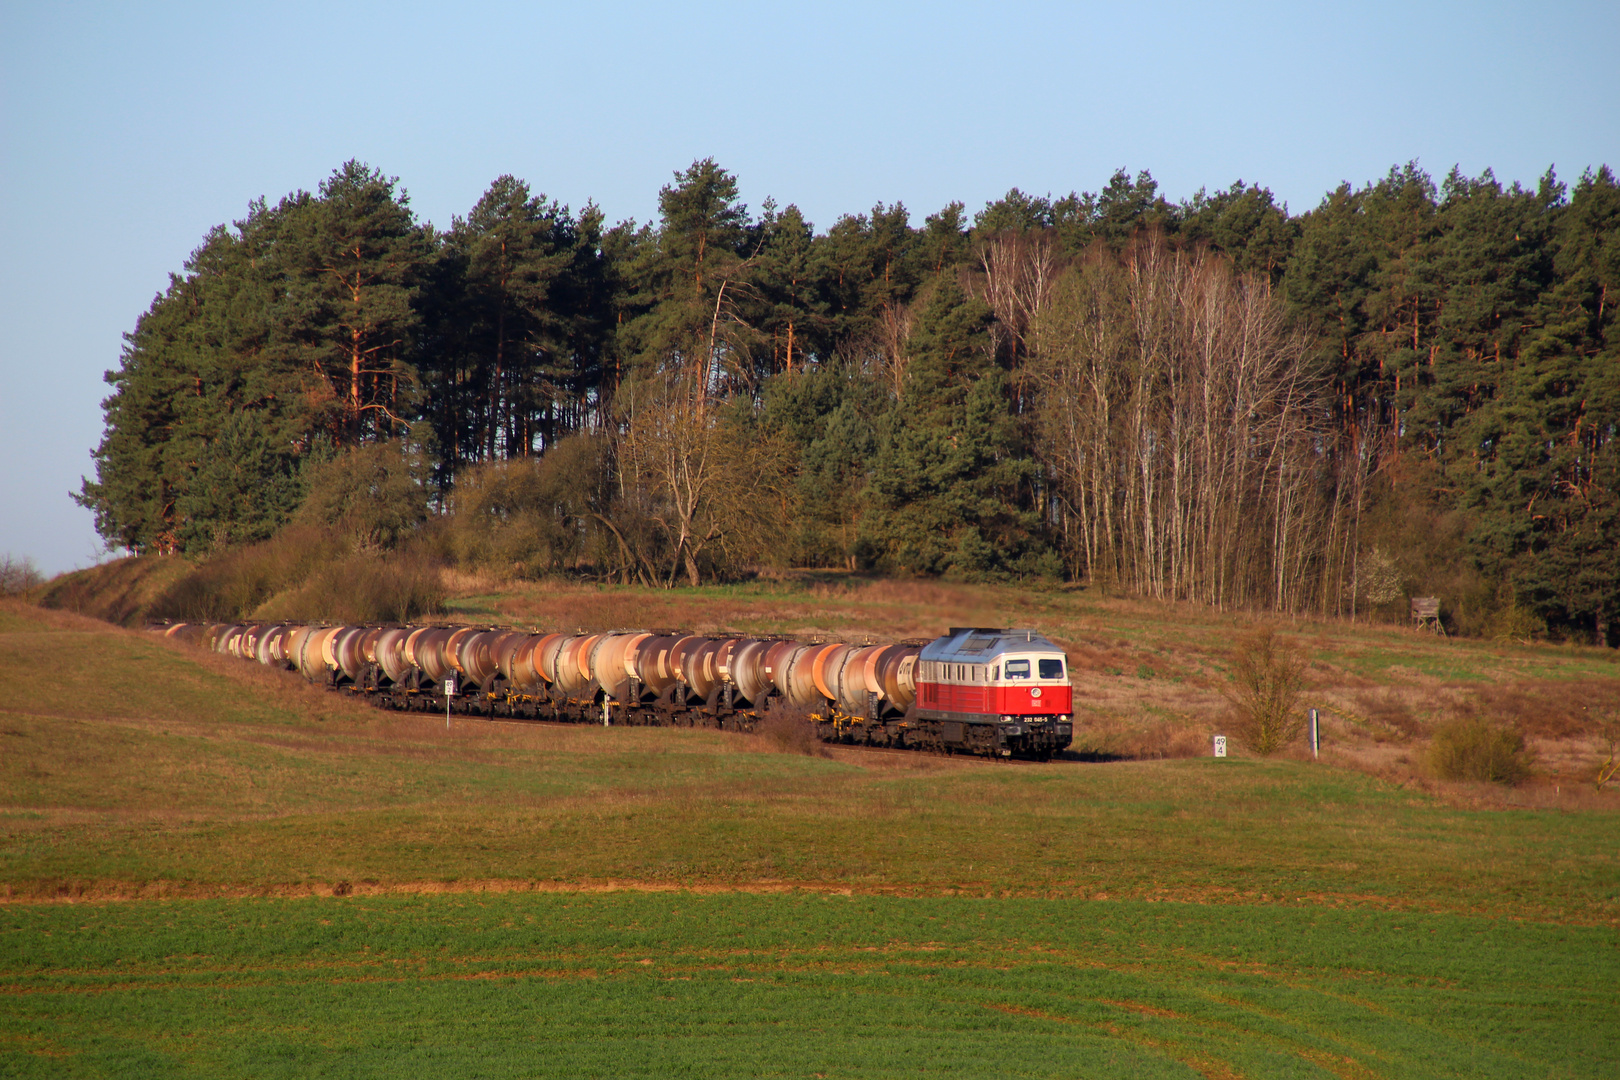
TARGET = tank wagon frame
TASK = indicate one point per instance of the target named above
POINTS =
(962, 693)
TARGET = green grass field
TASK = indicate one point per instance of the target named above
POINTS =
(682, 984)
(215, 870)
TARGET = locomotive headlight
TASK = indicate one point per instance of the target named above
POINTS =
(1035, 692)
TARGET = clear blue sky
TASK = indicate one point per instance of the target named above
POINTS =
(127, 130)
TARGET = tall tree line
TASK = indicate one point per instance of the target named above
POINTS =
(1213, 399)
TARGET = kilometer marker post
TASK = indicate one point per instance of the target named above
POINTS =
(449, 692)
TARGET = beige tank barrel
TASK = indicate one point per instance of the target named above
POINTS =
(391, 653)
(348, 654)
(699, 668)
(854, 681)
(452, 647)
(475, 657)
(311, 658)
(609, 661)
(746, 669)
(632, 651)
(778, 659)
(432, 654)
(613, 663)
(506, 651)
(294, 643)
(570, 675)
(368, 643)
(605, 656)
(801, 675)
(828, 664)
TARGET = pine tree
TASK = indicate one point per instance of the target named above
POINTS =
(351, 268)
(693, 283)
(947, 470)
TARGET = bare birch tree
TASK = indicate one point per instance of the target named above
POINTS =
(1183, 431)
(707, 484)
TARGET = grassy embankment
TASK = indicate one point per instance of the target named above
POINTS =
(854, 915)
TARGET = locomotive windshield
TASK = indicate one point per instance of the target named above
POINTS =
(1051, 669)
(1018, 669)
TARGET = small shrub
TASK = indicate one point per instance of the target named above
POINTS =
(1511, 624)
(791, 732)
(1477, 750)
(17, 576)
(1268, 675)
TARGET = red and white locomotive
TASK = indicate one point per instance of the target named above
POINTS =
(996, 691)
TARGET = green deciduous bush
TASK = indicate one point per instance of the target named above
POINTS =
(531, 516)
(1475, 749)
(374, 495)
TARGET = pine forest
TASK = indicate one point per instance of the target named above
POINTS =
(1412, 388)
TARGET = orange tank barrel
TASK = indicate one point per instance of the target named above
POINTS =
(547, 654)
(652, 662)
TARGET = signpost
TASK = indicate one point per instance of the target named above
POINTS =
(449, 692)
(1220, 746)
(1316, 737)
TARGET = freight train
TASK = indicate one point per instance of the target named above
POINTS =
(994, 692)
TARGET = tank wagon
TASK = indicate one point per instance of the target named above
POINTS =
(977, 690)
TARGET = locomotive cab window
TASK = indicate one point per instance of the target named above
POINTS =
(1051, 669)
(1018, 669)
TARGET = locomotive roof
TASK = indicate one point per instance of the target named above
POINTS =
(977, 644)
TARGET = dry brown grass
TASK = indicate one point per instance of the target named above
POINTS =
(168, 771)
(1147, 675)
